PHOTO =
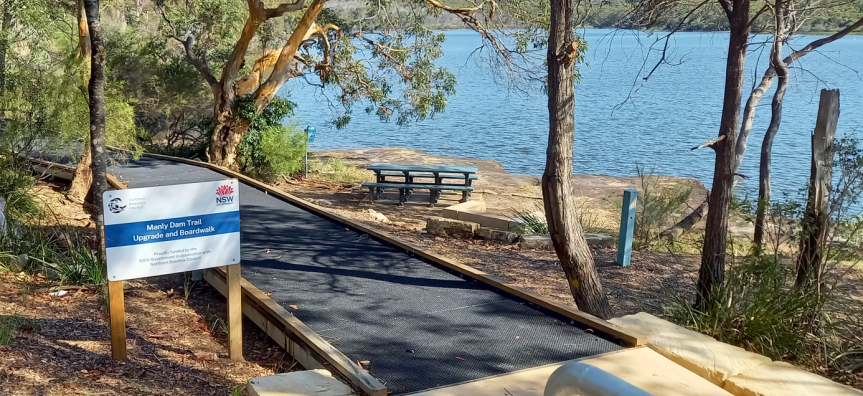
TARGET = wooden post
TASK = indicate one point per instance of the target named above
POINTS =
(627, 226)
(117, 312)
(810, 263)
(235, 313)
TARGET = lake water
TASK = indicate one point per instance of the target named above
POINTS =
(678, 108)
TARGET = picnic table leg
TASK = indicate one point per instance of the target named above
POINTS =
(408, 180)
(433, 197)
(380, 179)
(402, 196)
(436, 193)
(372, 194)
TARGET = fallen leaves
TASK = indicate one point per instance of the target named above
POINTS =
(204, 356)
(270, 293)
(293, 306)
(459, 358)
(164, 336)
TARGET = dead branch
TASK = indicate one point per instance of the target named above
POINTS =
(709, 143)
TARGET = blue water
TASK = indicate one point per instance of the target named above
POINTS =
(677, 108)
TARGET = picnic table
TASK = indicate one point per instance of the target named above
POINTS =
(410, 172)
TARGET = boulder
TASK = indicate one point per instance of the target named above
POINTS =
(713, 360)
(783, 379)
(378, 216)
(441, 227)
(493, 234)
(535, 241)
(601, 240)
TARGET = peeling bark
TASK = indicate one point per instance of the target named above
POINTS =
(79, 191)
(557, 184)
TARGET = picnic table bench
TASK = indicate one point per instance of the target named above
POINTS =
(409, 173)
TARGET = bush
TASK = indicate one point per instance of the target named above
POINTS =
(15, 184)
(758, 309)
(535, 222)
(658, 207)
(272, 151)
(269, 149)
(336, 170)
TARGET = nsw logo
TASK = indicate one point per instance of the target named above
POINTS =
(224, 195)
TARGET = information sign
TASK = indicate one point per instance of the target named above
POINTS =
(168, 229)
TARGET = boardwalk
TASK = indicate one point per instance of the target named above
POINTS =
(419, 326)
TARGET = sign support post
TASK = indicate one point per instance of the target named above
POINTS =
(235, 312)
(117, 313)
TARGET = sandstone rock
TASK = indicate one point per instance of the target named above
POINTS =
(378, 216)
(324, 202)
(535, 241)
(496, 235)
(440, 226)
(599, 240)
(783, 379)
(715, 361)
(452, 211)
(299, 383)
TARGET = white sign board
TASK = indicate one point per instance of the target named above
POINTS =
(169, 229)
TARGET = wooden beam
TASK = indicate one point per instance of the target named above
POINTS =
(567, 311)
(335, 359)
(117, 313)
(235, 313)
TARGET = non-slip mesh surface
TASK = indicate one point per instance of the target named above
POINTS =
(419, 326)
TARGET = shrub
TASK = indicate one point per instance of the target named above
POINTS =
(336, 170)
(15, 184)
(535, 222)
(657, 207)
(272, 151)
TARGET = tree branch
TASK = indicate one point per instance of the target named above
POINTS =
(268, 13)
(200, 64)
(710, 143)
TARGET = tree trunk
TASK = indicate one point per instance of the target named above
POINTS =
(816, 220)
(559, 197)
(712, 271)
(96, 91)
(80, 189)
(229, 128)
(4, 46)
(781, 69)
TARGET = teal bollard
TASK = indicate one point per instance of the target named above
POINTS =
(627, 224)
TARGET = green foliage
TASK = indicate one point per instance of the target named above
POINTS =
(270, 149)
(658, 206)
(535, 222)
(531, 223)
(15, 185)
(336, 170)
(8, 325)
(758, 308)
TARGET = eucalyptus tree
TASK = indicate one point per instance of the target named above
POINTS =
(384, 59)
